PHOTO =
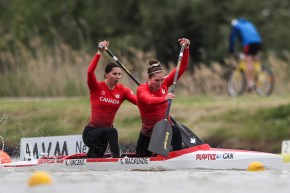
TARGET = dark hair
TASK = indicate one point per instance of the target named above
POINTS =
(153, 68)
(110, 66)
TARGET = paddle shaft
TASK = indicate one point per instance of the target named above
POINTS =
(175, 78)
(122, 66)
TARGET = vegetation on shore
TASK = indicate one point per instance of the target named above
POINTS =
(249, 122)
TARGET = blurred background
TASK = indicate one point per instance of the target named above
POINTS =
(46, 47)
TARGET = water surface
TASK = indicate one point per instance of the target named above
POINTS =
(177, 181)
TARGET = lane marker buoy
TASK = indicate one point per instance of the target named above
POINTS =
(286, 158)
(39, 178)
(4, 157)
(256, 167)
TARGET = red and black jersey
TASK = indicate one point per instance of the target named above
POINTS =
(105, 102)
(153, 104)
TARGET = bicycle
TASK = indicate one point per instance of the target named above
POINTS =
(237, 80)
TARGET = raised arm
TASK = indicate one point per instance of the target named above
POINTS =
(184, 63)
(91, 77)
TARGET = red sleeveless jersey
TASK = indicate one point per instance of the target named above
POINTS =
(105, 102)
(153, 104)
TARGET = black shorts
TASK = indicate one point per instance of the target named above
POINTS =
(97, 140)
(252, 49)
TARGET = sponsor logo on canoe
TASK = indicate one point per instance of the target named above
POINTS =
(106, 100)
(134, 161)
(75, 162)
(208, 156)
(213, 156)
(225, 156)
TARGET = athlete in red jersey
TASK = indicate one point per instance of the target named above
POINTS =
(106, 98)
(152, 98)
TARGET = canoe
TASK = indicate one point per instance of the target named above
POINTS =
(197, 157)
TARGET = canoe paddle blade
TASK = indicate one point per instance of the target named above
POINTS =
(161, 137)
(188, 137)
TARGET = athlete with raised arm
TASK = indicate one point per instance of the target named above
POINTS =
(105, 98)
(152, 100)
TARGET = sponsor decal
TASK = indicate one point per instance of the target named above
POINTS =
(214, 156)
(209, 156)
(134, 161)
(113, 101)
(166, 139)
(75, 162)
(225, 156)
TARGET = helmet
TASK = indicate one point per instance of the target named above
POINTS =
(234, 22)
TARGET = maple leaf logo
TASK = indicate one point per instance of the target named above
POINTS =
(192, 140)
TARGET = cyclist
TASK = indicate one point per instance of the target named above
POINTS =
(251, 41)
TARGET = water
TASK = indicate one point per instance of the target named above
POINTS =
(177, 181)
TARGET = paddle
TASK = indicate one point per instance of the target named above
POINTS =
(188, 137)
(160, 140)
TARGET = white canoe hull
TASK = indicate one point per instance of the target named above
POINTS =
(201, 156)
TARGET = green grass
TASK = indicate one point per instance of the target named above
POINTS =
(257, 129)
(248, 122)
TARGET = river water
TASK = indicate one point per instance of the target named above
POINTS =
(177, 181)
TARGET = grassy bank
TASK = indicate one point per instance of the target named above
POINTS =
(249, 122)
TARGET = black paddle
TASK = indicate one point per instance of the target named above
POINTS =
(160, 140)
(188, 137)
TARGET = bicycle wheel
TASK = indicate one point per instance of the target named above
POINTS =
(237, 83)
(264, 81)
